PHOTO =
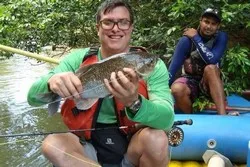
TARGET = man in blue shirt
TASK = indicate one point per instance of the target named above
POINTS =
(198, 53)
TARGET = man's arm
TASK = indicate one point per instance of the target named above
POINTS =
(181, 51)
(158, 111)
(70, 63)
(211, 56)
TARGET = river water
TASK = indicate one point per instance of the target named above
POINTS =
(16, 116)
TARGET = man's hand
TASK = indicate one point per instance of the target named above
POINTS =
(188, 66)
(124, 86)
(190, 32)
(65, 84)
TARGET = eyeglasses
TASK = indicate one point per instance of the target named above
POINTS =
(122, 24)
(211, 10)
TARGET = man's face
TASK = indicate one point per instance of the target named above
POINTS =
(116, 39)
(208, 26)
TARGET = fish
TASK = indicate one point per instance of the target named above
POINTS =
(92, 78)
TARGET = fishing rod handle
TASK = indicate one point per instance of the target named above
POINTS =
(183, 122)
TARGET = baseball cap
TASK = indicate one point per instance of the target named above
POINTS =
(212, 12)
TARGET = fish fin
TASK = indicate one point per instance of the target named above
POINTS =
(84, 104)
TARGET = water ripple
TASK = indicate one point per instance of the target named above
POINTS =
(16, 116)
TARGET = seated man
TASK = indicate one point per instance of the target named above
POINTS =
(199, 51)
(133, 101)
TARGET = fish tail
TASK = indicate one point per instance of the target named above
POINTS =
(53, 108)
(52, 99)
(47, 97)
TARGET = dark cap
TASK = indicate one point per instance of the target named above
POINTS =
(212, 12)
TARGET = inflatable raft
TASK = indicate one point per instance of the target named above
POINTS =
(228, 135)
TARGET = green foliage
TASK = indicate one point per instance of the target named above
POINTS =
(201, 103)
(32, 24)
(236, 69)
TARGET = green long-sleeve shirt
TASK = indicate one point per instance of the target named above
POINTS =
(156, 112)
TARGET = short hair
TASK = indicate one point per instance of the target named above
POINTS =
(109, 5)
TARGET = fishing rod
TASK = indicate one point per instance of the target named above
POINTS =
(58, 132)
(29, 54)
(136, 126)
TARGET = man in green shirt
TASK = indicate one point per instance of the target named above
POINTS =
(146, 147)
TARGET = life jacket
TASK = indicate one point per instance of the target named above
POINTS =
(194, 58)
(85, 120)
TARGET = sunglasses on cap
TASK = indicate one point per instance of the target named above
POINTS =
(210, 10)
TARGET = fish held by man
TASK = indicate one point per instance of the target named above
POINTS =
(92, 78)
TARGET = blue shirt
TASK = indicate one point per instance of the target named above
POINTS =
(209, 56)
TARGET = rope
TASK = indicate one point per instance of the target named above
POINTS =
(72, 156)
